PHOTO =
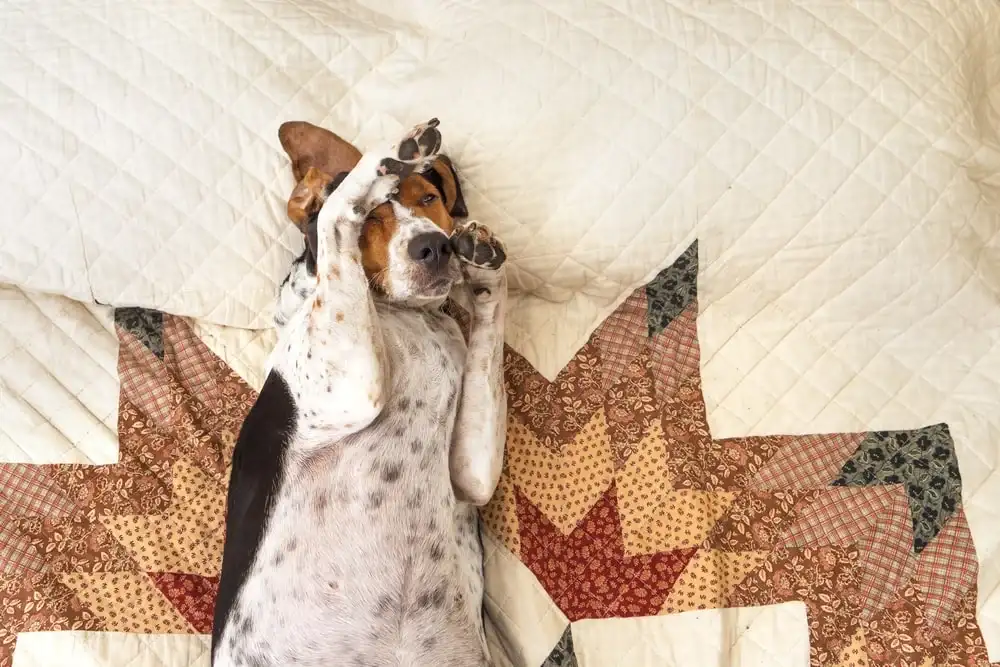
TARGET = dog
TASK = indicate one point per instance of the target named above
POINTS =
(352, 536)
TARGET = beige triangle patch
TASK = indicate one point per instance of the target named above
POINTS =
(667, 519)
(500, 515)
(566, 485)
(642, 481)
(127, 602)
(188, 537)
(709, 578)
(855, 654)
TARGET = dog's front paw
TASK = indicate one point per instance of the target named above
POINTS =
(476, 245)
(415, 152)
(482, 256)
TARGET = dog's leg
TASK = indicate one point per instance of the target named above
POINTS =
(298, 286)
(481, 427)
(331, 350)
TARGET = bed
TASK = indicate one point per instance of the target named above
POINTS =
(753, 338)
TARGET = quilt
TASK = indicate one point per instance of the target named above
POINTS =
(620, 532)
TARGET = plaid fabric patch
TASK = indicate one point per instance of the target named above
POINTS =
(194, 363)
(622, 337)
(27, 491)
(17, 556)
(886, 556)
(807, 462)
(674, 352)
(947, 568)
(143, 377)
(840, 515)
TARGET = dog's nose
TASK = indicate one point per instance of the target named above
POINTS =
(432, 249)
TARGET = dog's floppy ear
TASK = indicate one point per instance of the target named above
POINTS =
(443, 176)
(317, 156)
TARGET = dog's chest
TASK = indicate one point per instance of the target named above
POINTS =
(367, 555)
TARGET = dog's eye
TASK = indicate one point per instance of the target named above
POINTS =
(427, 200)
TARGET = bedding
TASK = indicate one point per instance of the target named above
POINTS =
(621, 533)
(838, 163)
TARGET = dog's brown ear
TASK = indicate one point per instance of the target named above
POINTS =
(443, 176)
(317, 156)
(310, 146)
(308, 196)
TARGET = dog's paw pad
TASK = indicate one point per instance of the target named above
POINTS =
(392, 167)
(422, 142)
(475, 244)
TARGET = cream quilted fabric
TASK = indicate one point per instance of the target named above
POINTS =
(838, 161)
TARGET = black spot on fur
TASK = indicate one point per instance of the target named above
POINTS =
(399, 431)
(415, 446)
(437, 552)
(419, 404)
(320, 502)
(384, 605)
(258, 467)
(375, 500)
(292, 545)
(404, 404)
(245, 626)
(279, 557)
(392, 471)
(429, 642)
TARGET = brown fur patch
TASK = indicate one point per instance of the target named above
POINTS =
(307, 196)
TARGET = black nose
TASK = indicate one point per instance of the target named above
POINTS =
(432, 249)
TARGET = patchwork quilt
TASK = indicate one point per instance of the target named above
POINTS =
(622, 532)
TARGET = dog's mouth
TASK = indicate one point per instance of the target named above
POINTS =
(438, 285)
(437, 281)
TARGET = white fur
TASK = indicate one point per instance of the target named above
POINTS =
(369, 557)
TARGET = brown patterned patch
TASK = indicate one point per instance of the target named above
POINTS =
(755, 519)
(630, 408)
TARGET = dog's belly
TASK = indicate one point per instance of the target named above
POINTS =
(367, 557)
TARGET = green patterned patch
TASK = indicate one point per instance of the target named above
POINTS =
(924, 462)
(563, 654)
(670, 292)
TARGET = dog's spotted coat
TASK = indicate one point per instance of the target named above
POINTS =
(352, 536)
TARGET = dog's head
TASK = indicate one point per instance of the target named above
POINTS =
(393, 233)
